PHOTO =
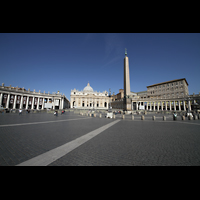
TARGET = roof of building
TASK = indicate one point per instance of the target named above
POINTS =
(168, 82)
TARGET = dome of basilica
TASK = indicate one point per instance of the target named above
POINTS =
(88, 88)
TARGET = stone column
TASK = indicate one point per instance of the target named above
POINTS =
(81, 102)
(38, 102)
(174, 105)
(179, 105)
(61, 103)
(27, 102)
(1, 97)
(162, 105)
(54, 103)
(32, 106)
(165, 105)
(21, 102)
(8, 100)
(150, 105)
(71, 103)
(136, 105)
(184, 108)
(189, 106)
(43, 104)
(14, 103)
(158, 105)
(170, 105)
(154, 106)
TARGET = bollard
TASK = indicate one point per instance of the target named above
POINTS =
(183, 117)
(132, 117)
(164, 118)
(123, 116)
(100, 115)
(153, 118)
(113, 116)
(195, 117)
(94, 114)
(142, 117)
(189, 117)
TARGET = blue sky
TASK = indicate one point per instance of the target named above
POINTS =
(64, 61)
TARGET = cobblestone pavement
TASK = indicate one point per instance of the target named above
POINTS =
(128, 142)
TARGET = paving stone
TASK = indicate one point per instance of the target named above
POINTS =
(129, 142)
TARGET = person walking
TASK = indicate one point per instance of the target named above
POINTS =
(20, 111)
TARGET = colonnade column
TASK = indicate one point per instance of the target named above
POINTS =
(62, 103)
(32, 106)
(21, 102)
(189, 106)
(161, 105)
(14, 103)
(170, 105)
(38, 101)
(27, 102)
(184, 105)
(1, 97)
(8, 100)
(174, 105)
(43, 104)
(54, 104)
(179, 105)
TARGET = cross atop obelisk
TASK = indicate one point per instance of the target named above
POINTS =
(125, 52)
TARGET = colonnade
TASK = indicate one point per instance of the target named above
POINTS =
(25, 101)
(176, 105)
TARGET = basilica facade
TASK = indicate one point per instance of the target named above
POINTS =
(89, 99)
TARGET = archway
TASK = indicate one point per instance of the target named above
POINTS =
(74, 103)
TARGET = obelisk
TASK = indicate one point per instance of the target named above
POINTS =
(127, 91)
